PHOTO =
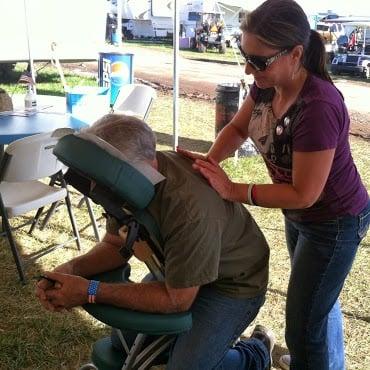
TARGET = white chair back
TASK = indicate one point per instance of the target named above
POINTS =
(135, 100)
(32, 158)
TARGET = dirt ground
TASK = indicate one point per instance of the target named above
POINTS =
(198, 79)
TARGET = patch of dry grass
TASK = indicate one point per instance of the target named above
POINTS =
(31, 338)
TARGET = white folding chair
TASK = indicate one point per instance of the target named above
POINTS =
(135, 100)
(25, 162)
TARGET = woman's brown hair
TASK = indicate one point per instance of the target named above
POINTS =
(282, 24)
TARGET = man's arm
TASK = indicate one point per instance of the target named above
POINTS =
(103, 257)
(147, 297)
(154, 296)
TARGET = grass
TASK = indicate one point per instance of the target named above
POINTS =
(210, 55)
(48, 80)
(31, 338)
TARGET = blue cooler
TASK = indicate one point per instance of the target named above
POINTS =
(115, 70)
(80, 96)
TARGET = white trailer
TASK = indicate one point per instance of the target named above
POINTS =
(146, 18)
(29, 28)
(154, 18)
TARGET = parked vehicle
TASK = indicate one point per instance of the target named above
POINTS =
(353, 63)
(210, 32)
(356, 58)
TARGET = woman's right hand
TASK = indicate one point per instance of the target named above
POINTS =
(191, 155)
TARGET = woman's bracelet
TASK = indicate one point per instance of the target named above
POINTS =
(249, 195)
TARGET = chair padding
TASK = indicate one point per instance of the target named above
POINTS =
(97, 164)
(141, 322)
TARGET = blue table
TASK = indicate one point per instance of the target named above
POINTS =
(17, 127)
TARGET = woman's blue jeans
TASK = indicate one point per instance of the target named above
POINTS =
(321, 255)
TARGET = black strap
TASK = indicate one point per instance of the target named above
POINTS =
(114, 207)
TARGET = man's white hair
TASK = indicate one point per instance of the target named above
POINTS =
(130, 135)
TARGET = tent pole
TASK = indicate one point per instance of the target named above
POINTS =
(32, 69)
(119, 22)
(175, 37)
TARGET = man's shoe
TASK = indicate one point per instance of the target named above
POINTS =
(284, 362)
(266, 336)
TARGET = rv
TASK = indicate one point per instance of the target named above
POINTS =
(154, 18)
(146, 18)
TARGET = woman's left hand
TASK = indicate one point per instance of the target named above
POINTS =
(216, 176)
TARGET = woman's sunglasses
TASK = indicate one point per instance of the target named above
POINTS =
(260, 63)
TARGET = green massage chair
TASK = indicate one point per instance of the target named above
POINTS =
(124, 193)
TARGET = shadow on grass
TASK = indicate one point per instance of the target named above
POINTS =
(30, 336)
(33, 338)
(198, 145)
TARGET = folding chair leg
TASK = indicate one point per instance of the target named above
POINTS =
(13, 246)
(52, 182)
(73, 221)
(71, 216)
(35, 220)
(92, 218)
(49, 214)
(81, 202)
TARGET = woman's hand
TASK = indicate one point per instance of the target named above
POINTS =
(216, 176)
(191, 155)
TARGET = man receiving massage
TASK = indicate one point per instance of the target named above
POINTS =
(215, 260)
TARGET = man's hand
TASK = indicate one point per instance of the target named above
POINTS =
(41, 287)
(44, 284)
(67, 292)
(217, 177)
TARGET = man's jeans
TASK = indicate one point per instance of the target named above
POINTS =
(218, 321)
(321, 256)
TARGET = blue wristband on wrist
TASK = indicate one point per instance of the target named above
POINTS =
(92, 290)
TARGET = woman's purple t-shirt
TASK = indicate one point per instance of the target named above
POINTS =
(317, 121)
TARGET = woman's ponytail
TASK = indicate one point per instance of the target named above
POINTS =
(315, 57)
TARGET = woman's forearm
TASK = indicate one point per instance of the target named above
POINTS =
(230, 135)
(273, 196)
